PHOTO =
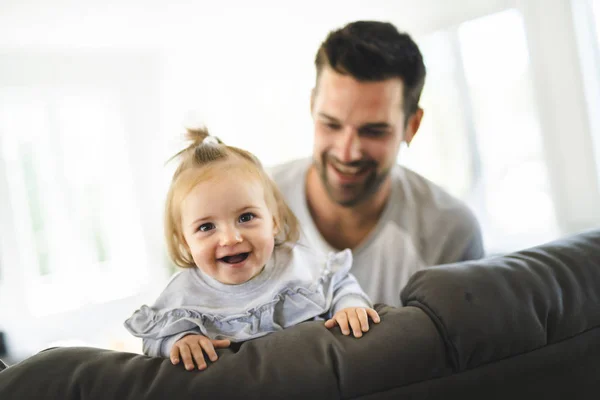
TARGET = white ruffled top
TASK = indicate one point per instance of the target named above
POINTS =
(296, 285)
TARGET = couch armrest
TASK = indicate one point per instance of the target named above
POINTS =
(491, 309)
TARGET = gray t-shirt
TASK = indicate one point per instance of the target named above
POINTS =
(422, 225)
(296, 285)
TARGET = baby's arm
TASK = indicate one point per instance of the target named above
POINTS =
(191, 349)
(351, 308)
(161, 347)
(168, 321)
(188, 347)
(348, 293)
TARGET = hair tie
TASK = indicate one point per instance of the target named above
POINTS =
(211, 140)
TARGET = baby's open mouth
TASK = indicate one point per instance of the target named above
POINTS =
(235, 259)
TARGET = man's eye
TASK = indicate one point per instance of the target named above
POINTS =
(372, 132)
(332, 126)
(246, 217)
(206, 227)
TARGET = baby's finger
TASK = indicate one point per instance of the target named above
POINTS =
(186, 356)
(209, 349)
(330, 323)
(221, 343)
(196, 350)
(363, 319)
(373, 314)
(342, 320)
(174, 355)
(355, 323)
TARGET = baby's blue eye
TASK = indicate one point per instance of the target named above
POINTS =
(246, 217)
(206, 227)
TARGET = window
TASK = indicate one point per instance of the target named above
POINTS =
(71, 193)
(480, 137)
(594, 72)
(586, 21)
(596, 12)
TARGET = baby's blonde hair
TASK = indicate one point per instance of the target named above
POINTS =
(196, 163)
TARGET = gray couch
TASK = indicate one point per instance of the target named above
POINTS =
(524, 325)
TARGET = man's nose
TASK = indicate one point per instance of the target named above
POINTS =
(230, 235)
(349, 146)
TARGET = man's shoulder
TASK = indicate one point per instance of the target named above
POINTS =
(447, 226)
(434, 204)
(422, 192)
(289, 173)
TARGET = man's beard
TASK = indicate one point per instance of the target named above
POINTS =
(352, 194)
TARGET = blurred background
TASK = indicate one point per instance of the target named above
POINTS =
(94, 96)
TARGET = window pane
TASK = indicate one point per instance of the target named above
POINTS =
(33, 200)
(25, 168)
(70, 185)
(510, 143)
(596, 10)
(480, 137)
(440, 150)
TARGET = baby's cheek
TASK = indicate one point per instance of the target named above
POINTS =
(202, 258)
(270, 246)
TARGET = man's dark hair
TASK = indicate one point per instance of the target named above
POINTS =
(375, 51)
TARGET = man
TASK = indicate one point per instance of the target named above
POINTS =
(353, 194)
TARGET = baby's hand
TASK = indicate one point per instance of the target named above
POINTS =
(355, 318)
(190, 347)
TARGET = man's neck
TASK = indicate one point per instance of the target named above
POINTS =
(343, 227)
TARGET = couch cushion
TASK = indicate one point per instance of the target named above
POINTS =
(564, 370)
(307, 361)
(490, 309)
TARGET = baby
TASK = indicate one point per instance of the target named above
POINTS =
(244, 276)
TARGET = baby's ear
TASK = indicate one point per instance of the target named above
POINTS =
(275, 227)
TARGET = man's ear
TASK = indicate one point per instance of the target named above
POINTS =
(312, 100)
(412, 126)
